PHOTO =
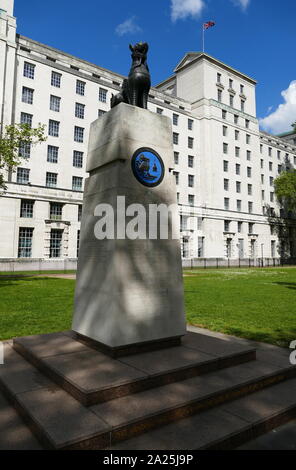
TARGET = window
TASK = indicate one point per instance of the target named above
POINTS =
(250, 207)
(250, 190)
(159, 110)
(27, 208)
(248, 155)
(55, 102)
(261, 148)
(175, 138)
(237, 169)
(249, 172)
(242, 89)
(25, 150)
(273, 248)
(22, 175)
(280, 168)
(224, 114)
(225, 148)
(56, 236)
(25, 242)
(218, 77)
(178, 197)
(263, 195)
(176, 158)
(237, 151)
(251, 228)
(231, 100)
(191, 200)
(79, 110)
(51, 180)
(56, 79)
(243, 106)
(77, 183)
(239, 205)
(27, 95)
(175, 119)
(262, 179)
(26, 119)
(103, 95)
(247, 123)
(271, 181)
(79, 212)
(219, 95)
(190, 181)
(279, 154)
(269, 151)
(29, 70)
(261, 163)
(226, 225)
(225, 129)
(225, 165)
(176, 173)
(248, 139)
(80, 87)
(78, 134)
(239, 227)
(77, 159)
(236, 119)
(226, 184)
(190, 161)
(236, 135)
(190, 142)
(190, 124)
(230, 83)
(101, 112)
(270, 166)
(52, 154)
(53, 128)
(56, 211)
(238, 186)
(271, 197)
(226, 203)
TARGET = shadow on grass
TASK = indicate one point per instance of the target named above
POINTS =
(14, 280)
(289, 285)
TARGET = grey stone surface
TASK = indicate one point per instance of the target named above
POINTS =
(128, 291)
(281, 438)
(91, 370)
(62, 419)
(52, 344)
(210, 345)
(14, 434)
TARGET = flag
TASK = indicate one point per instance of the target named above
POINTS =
(209, 24)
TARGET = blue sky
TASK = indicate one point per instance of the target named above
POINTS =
(255, 36)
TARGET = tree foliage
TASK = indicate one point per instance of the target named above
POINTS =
(285, 189)
(14, 138)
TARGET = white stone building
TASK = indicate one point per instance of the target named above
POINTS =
(224, 165)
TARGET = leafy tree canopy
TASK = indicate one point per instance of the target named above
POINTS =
(16, 137)
(285, 189)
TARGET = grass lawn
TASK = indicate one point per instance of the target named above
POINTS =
(257, 304)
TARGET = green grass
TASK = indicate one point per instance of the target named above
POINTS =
(257, 304)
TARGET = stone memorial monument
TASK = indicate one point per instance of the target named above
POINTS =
(129, 292)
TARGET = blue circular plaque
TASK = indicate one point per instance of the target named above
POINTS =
(148, 167)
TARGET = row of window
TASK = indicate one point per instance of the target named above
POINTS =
(240, 226)
(239, 207)
(56, 78)
(238, 187)
(25, 242)
(235, 119)
(231, 100)
(190, 179)
(190, 159)
(237, 168)
(278, 153)
(52, 154)
(237, 151)
(23, 177)
(55, 210)
(230, 84)
(190, 140)
(237, 134)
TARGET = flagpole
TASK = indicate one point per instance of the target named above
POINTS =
(203, 38)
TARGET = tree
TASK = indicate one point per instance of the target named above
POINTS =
(285, 189)
(15, 139)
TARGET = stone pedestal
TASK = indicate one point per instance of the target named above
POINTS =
(129, 292)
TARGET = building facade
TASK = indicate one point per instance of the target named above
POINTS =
(224, 165)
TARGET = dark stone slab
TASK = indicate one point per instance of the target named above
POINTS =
(211, 345)
(51, 344)
(60, 421)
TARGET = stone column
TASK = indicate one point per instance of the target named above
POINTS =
(129, 292)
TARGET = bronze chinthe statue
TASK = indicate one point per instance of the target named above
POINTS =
(135, 88)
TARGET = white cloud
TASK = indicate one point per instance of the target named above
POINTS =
(129, 26)
(281, 119)
(181, 9)
(242, 3)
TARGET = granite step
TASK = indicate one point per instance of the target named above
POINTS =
(92, 377)
(225, 427)
(61, 422)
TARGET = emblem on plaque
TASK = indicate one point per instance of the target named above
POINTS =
(148, 167)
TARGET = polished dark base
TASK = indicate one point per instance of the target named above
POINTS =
(129, 349)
